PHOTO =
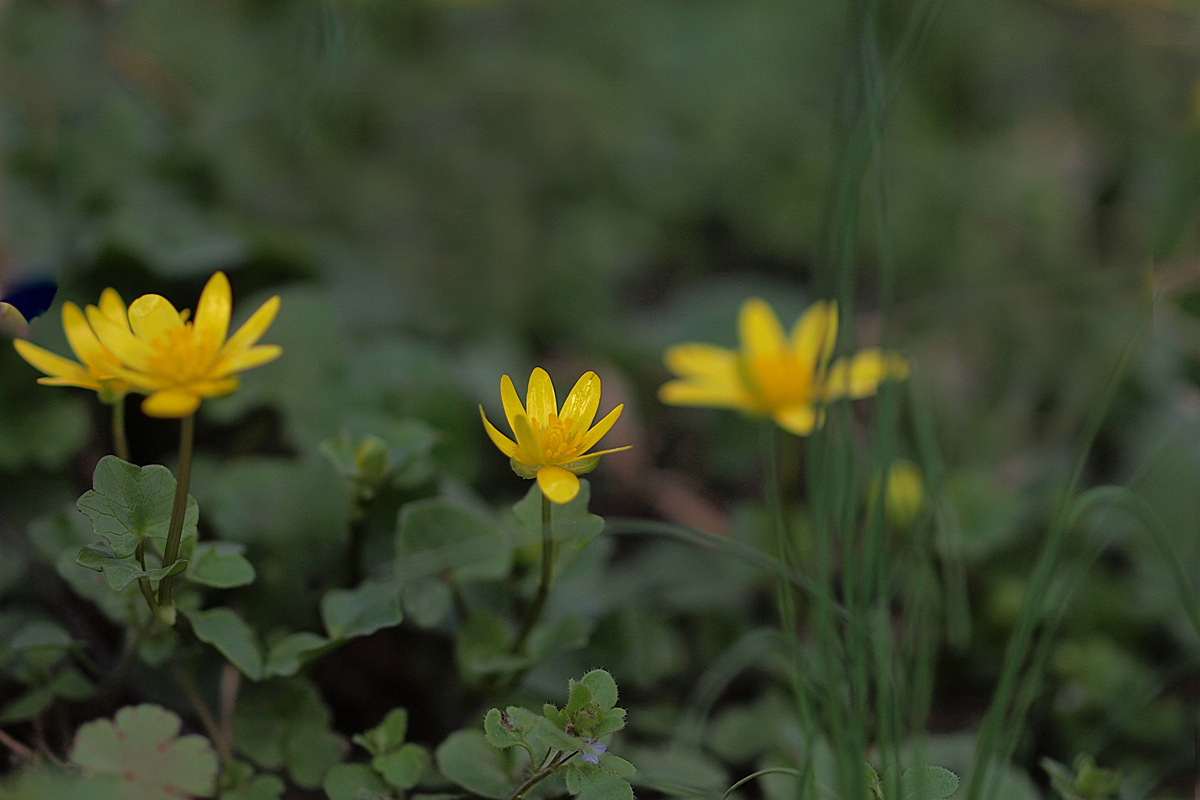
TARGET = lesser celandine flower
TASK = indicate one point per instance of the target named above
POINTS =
(552, 444)
(786, 377)
(99, 369)
(178, 362)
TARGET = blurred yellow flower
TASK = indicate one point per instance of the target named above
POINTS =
(904, 494)
(178, 362)
(552, 444)
(789, 379)
(100, 369)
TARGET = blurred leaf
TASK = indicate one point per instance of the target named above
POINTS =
(284, 723)
(220, 565)
(369, 607)
(128, 504)
(427, 601)
(403, 768)
(348, 781)
(293, 651)
(44, 435)
(434, 536)
(928, 783)
(260, 787)
(232, 636)
(142, 747)
(590, 782)
(467, 759)
(68, 684)
(387, 736)
(560, 636)
(569, 523)
(484, 646)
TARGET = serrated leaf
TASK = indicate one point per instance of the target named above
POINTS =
(928, 782)
(293, 651)
(361, 611)
(603, 688)
(434, 536)
(614, 720)
(402, 769)
(119, 572)
(346, 781)
(232, 636)
(128, 503)
(142, 748)
(468, 760)
(220, 565)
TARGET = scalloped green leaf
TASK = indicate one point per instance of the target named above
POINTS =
(141, 746)
(128, 503)
(603, 688)
(403, 768)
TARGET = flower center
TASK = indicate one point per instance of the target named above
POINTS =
(779, 380)
(182, 354)
(559, 444)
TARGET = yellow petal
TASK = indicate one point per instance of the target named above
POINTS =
(170, 403)
(511, 402)
(759, 329)
(540, 402)
(113, 307)
(151, 315)
(814, 334)
(242, 360)
(253, 328)
(83, 340)
(581, 404)
(558, 485)
(800, 420)
(704, 393)
(68, 372)
(529, 449)
(502, 442)
(129, 349)
(609, 450)
(860, 376)
(696, 360)
(214, 308)
(214, 387)
(595, 434)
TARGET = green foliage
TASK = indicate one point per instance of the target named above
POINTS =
(1085, 781)
(141, 747)
(128, 505)
(285, 724)
(400, 765)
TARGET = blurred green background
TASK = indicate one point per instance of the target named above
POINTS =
(447, 191)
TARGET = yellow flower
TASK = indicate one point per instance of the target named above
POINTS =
(178, 362)
(789, 379)
(905, 493)
(552, 444)
(100, 369)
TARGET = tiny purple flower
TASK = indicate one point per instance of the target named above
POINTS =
(592, 750)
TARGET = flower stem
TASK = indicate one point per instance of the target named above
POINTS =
(535, 610)
(120, 443)
(187, 433)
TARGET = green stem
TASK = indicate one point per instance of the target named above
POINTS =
(187, 433)
(119, 442)
(535, 610)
